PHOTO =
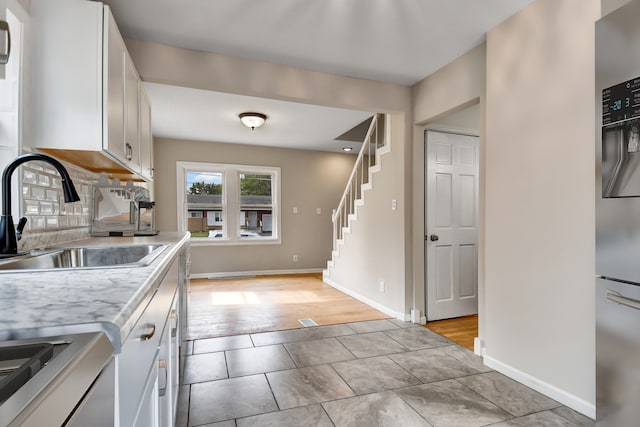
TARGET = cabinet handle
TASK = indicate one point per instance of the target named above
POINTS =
(129, 153)
(4, 57)
(174, 323)
(617, 298)
(162, 364)
(151, 333)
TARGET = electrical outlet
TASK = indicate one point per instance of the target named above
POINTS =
(295, 258)
(381, 285)
(394, 204)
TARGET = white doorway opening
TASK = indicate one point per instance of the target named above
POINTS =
(451, 215)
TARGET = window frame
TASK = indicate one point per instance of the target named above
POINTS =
(231, 202)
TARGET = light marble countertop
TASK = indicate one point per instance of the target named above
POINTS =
(36, 304)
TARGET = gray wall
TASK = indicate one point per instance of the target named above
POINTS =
(309, 180)
(536, 236)
(540, 196)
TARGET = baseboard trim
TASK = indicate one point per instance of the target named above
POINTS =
(543, 387)
(477, 346)
(386, 310)
(253, 273)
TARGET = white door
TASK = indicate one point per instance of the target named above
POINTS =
(253, 220)
(451, 233)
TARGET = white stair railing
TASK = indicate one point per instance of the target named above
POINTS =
(374, 139)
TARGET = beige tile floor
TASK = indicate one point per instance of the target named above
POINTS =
(372, 373)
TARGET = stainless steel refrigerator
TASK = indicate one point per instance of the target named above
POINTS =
(618, 217)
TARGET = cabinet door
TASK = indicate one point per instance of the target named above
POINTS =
(114, 84)
(165, 386)
(3, 36)
(132, 145)
(174, 372)
(148, 411)
(146, 138)
(168, 379)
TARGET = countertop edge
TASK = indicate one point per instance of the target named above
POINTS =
(119, 324)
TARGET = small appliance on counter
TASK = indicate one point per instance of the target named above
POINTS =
(145, 218)
(122, 210)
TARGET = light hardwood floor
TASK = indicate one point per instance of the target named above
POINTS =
(461, 330)
(237, 306)
(223, 307)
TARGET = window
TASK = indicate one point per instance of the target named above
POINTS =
(229, 204)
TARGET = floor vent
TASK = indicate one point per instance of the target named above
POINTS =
(307, 322)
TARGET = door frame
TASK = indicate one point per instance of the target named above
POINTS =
(426, 209)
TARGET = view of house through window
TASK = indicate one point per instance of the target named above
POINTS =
(204, 201)
(230, 202)
(256, 208)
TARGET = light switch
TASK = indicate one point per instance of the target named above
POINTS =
(319, 211)
(295, 210)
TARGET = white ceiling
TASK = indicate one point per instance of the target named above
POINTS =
(201, 115)
(396, 41)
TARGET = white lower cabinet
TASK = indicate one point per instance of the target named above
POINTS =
(148, 414)
(147, 378)
(168, 370)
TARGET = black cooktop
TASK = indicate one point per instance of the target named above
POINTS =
(19, 363)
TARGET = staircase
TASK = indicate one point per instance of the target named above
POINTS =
(359, 184)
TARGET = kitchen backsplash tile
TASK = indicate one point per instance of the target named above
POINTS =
(49, 219)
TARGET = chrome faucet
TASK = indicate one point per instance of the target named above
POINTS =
(8, 240)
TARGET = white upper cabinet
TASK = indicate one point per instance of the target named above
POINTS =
(114, 82)
(4, 38)
(132, 113)
(86, 89)
(146, 139)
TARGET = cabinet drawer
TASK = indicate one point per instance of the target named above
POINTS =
(136, 361)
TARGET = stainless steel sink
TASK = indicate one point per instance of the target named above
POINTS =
(84, 258)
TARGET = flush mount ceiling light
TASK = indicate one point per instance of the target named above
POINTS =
(347, 149)
(252, 120)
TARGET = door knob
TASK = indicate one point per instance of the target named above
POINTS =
(434, 238)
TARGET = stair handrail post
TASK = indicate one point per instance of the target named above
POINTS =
(335, 233)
